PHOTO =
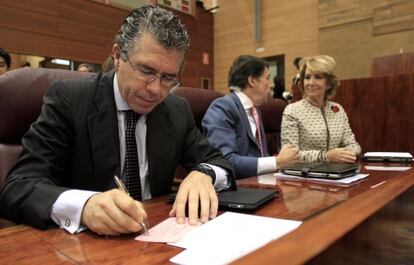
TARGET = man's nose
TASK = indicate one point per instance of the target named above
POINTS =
(155, 87)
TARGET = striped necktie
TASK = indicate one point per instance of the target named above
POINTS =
(256, 118)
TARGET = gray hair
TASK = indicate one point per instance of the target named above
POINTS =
(164, 26)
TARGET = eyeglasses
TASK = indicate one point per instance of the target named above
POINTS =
(148, 76)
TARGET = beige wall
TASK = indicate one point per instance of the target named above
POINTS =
(352, 31)
(288, 27)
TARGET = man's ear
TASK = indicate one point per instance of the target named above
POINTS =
(116, 54)
(251, 81)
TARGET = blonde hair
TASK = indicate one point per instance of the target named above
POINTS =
(323, 64)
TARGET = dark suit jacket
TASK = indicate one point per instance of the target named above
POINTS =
(74, 144)
(227, 127)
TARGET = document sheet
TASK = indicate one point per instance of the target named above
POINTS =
(167, 231)
(229, 237)
(388, 154)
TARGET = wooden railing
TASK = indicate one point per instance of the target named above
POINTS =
(380, 111)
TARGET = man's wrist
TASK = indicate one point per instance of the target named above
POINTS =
(206, 170)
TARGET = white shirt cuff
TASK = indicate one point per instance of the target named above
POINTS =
(222, 181)
(266, 165)
(67, 209)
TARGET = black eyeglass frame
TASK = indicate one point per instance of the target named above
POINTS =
(149, 76)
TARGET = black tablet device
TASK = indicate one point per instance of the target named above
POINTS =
(322, 170)
(242, 198)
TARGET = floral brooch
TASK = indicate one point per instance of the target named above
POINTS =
(335, 108)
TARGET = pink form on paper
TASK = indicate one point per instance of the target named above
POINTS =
(168, 231)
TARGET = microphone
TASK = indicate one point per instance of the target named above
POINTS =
(287, 95)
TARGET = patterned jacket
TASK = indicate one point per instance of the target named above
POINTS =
(315, 131)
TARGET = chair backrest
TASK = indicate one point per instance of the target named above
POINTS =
(21, 98)
(199, 100)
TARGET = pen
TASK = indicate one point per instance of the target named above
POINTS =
(122, 187)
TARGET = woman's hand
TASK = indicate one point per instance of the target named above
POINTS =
(341, 155)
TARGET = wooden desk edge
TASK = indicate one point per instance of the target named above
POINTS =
(317, 234)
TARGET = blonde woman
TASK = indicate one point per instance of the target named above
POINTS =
(317, 126)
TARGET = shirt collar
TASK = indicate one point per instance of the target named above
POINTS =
(245, 100)
(121, 104)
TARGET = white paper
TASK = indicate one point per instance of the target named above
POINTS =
(168, 231)
(343, 181)
(388, 154)
(230, 236)
(385, 168)
(267, 179)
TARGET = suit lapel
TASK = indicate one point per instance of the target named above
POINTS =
(244, 118)
(160, 147)
(103, 135)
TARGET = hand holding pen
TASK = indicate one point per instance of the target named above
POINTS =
(113, 212)
(122, 187)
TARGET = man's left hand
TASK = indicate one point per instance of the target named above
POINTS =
(195, 191)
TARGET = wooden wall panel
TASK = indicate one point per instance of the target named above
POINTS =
(339, 12)
(71, 29)
(355, 31)
(49, 8)
(394, 16)
(393, 65)
(200, 29)
(82, 31)
(380, 111)
(233, 35)
(288, 27)
(50, 46)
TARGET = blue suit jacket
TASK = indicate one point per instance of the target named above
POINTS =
(227, 128)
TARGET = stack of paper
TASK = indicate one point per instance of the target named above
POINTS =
(223, 239)
(229, 237)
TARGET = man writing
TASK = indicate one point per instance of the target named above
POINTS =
(233, 123)
(122, 123)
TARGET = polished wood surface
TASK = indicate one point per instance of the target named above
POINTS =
(387, 237)
(335, 218)
(318, 233)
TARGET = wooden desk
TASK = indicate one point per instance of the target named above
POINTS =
(364, 225)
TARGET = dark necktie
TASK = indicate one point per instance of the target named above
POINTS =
(131, 170)
(256, 118)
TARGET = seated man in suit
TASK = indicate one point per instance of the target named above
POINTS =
(125, 123)
(233, 123)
